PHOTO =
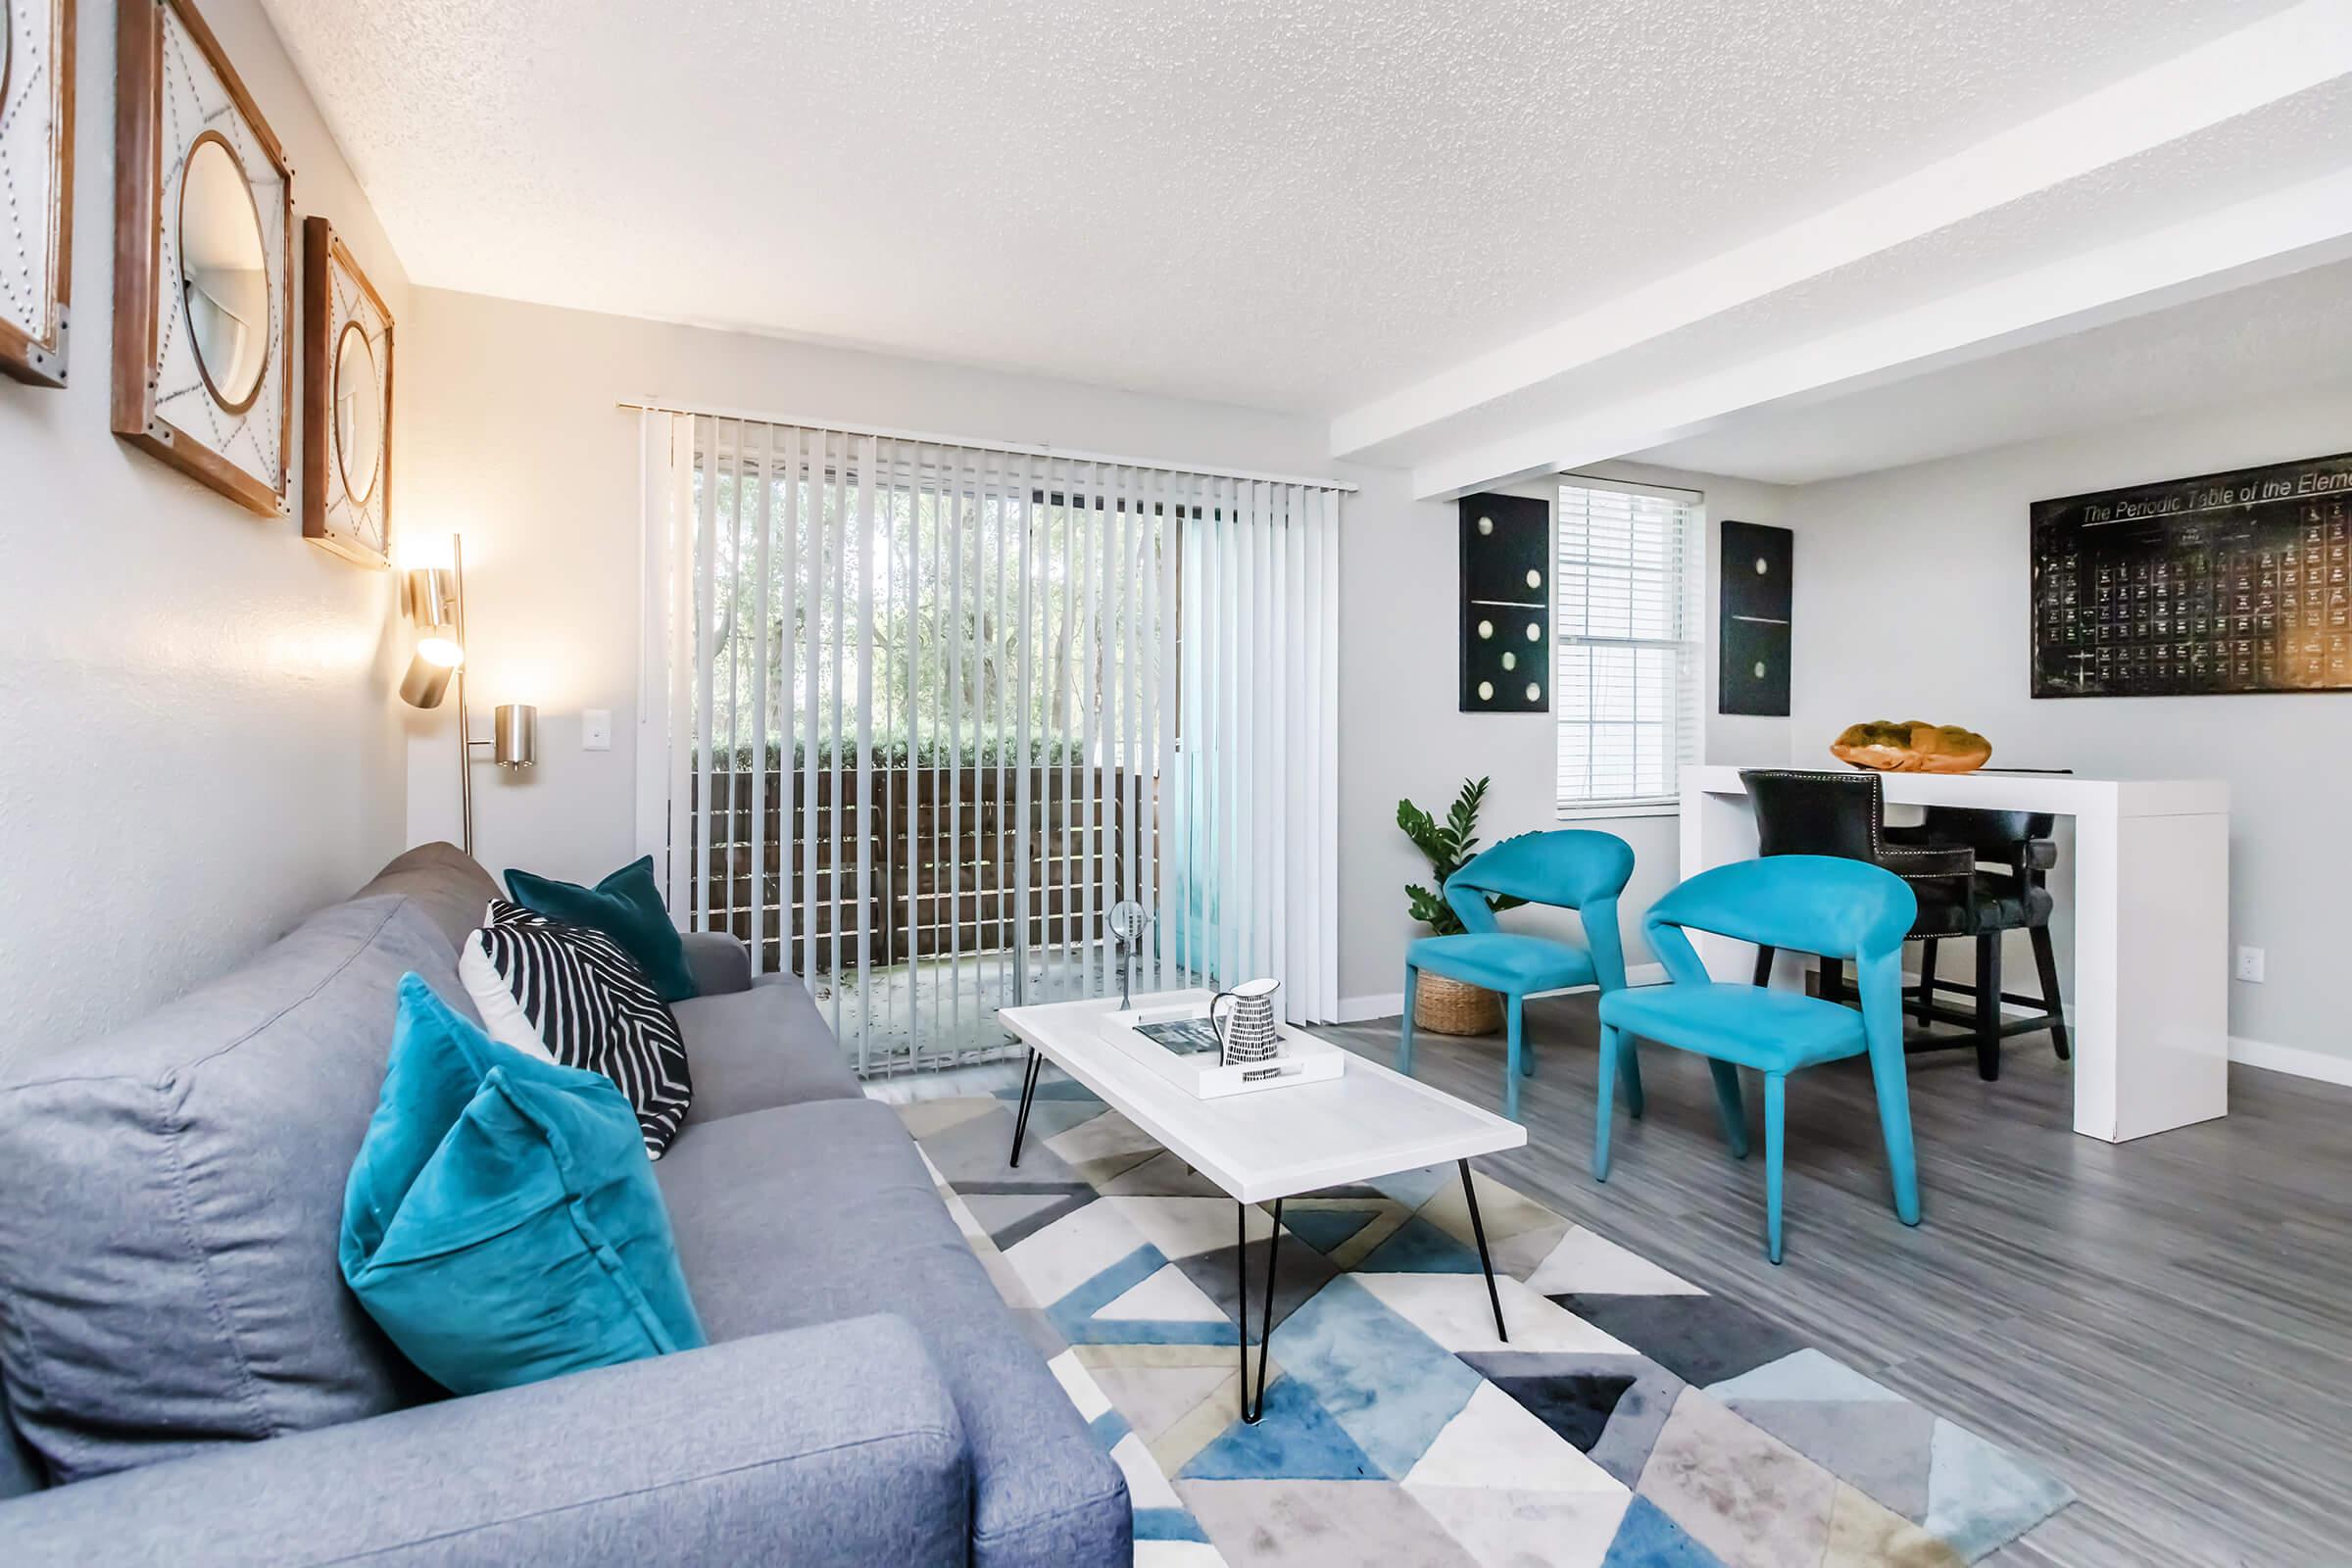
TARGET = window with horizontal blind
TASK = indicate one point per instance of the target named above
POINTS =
(1626, 692)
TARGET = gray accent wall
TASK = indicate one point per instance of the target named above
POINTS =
(198, 737)
(1912, 602)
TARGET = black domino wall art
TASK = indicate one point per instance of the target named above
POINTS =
(1756, 596)
(1507, 604)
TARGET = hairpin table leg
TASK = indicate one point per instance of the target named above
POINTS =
(1478, 1229)
(1020, 1123)
(1253, 1410)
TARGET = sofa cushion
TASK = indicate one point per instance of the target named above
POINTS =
(626, 907)
(450, 886)
(821, 1211)
(572, 993)
(759, 1048)
(173, 1199)
(20, 1467)
(500, 1221)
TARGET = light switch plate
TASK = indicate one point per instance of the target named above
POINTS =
(596, 730)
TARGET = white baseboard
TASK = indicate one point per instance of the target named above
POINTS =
(2324, 1065)
(1362, 1010)
(1388, 1005)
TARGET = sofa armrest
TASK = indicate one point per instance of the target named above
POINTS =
(829, 1444)
(721, 964)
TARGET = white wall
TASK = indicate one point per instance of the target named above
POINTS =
(1402, 735)
(523, 449)
(1912, 602)
(200, 738)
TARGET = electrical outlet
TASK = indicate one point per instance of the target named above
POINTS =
(596, 730)
(2249, 966)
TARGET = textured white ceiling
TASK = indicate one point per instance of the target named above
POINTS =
(2267, 341)
(1294, 204)
(2282, 145)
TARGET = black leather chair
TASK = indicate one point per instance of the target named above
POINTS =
(2015, 854)
(1801, 811)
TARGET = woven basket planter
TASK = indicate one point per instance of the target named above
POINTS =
(1445, 1006)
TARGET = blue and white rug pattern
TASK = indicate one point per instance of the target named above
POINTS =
(1632, 1420)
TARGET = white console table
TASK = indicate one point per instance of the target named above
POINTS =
(2148, 999)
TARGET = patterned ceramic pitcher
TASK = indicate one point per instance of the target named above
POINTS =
(1247, 1033)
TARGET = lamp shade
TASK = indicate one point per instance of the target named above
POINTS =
(514, 735)
(428, 681)
(433, 597)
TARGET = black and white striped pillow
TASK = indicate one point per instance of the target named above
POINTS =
(575, 996)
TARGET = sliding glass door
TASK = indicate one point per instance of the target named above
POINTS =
(923, 707)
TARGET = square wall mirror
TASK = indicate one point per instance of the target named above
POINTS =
(346, 402)
(203, 274)
(37, 187)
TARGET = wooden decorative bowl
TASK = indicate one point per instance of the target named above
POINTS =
(1912, 746)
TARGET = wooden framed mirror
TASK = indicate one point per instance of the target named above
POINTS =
(204, 261)
(346, 402)
(37, 187)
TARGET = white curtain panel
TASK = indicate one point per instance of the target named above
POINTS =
(915, 714)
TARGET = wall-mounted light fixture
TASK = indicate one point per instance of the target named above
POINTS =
(436, 602)
(514, 735)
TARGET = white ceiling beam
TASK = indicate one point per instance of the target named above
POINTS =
(2303, 225)
(2292, 51)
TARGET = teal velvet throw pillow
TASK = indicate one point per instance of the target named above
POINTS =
(626, 907)
(502, 1223)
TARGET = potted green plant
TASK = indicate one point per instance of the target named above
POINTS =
(1443, 1006)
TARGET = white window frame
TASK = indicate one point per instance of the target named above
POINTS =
(1690, 517)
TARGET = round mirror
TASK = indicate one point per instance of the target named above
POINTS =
(359, 414)
(224, 272)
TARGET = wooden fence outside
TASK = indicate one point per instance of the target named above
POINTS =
(942, 851)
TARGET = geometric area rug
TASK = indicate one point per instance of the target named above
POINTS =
(1632, 1420)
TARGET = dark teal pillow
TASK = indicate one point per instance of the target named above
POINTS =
(502, 1222)
(626, 907)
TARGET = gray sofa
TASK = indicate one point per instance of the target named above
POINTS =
(187, 1379)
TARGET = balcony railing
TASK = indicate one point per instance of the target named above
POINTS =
(942, 858)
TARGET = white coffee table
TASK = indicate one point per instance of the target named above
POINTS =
(1275, 1144)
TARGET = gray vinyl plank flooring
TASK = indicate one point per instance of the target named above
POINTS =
(2167, 1323)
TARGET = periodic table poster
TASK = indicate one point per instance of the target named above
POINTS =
(2229, 582)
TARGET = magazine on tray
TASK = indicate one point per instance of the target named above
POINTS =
(1176, 1040)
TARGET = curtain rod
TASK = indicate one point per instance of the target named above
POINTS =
(1060, 454)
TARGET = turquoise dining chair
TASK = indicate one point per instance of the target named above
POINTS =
(1571, 869)
(1818, 903)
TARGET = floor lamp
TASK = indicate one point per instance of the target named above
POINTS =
(436, 597)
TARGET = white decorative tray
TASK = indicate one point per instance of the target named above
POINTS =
(1304, 1059)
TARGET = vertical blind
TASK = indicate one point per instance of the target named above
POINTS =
(1626, 692)
(919, 714)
